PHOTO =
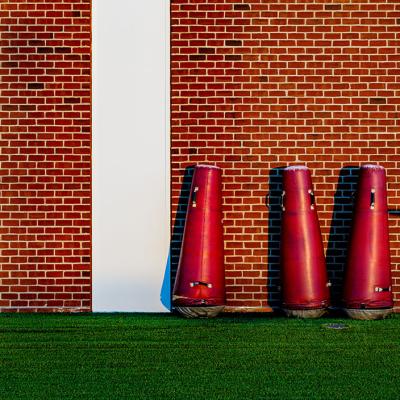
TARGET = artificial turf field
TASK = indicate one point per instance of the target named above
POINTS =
(153, 356)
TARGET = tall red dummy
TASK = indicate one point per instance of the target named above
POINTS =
(199, 289)
(304, 275)
(367, 289)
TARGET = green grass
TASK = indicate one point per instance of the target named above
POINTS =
(142, 356)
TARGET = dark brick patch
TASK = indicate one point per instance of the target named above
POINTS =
(206, 50)
(35, 86)
(233, 42)
(333, 7)
(45, 50)
(241, 7)
(197, 57)
(378, 100)
(233, 57)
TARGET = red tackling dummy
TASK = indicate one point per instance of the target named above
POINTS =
(304, 276)
(367, 289)
(199, 289)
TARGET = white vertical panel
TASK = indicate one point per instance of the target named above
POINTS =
(130, 154)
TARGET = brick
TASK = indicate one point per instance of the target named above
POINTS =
(378, 100)
(233, 42)
(333, 7)
(45, 50)
(35, 86)
(45, 108)
(206, 50)
(241, 7)
(314, 83)
(197, 57)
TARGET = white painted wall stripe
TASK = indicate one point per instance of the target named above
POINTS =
(130, 154)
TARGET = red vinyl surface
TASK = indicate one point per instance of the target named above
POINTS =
(200, 278)
(368, 274)
(304, 275)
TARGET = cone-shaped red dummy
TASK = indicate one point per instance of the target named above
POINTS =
(367, 288)
(304, 275)
(199, 288)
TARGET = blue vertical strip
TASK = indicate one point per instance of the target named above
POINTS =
(165, 295)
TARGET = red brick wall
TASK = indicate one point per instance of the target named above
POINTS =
(45, 159)
(259, 85)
